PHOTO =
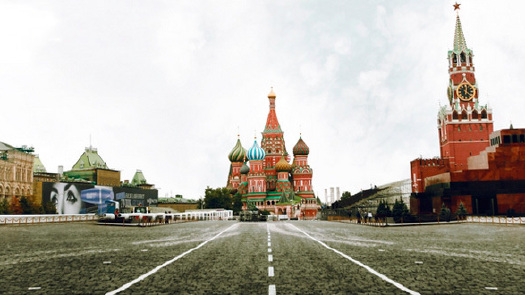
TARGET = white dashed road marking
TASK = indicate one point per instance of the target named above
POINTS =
(153, 271)
(382, 276)
(270, 271)
(269, 250)
(271, 290)
(270, 258)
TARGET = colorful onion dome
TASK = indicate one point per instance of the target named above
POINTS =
(245, 169)
(301, 148)
(256, 153)
(282, 165)
(238, 153)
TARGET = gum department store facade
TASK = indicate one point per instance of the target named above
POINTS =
(270, 182)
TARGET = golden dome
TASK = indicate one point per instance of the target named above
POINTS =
(271, 94)
(282, 165)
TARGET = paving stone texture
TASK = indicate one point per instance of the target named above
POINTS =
(86, 258)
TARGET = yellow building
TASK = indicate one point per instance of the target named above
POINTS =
(16, 171)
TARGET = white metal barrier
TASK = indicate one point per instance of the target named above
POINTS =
(206, 214)
(496, 219)
(46, 218)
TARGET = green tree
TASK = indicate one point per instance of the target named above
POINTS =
(218, 198)
(444, 214)
(400, 211)
(237, 203)
(383, 210)
(462, 211)
(4, 206)
(25, 204)
(345, 195)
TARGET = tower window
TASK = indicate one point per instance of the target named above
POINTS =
(454, 115)
(484, 114)
(464, 115)
(522, 138)
(475, 115)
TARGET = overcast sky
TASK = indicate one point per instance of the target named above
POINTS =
(165, 86)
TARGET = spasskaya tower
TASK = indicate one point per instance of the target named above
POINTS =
(464, 124)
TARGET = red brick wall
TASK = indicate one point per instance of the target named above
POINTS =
(511, 201)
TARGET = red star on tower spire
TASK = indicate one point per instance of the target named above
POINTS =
(456, 6)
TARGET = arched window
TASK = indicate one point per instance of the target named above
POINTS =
(463, 59)
(475, 115)
(454, 115)
(464, 115)
(484, 114)
(454, 58)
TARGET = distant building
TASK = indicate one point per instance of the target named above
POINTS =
(90, 167)
(16, 171)
(482, 169)
(90, 185)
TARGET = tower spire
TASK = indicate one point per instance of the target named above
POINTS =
(459, 39)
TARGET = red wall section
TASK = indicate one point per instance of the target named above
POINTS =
(511, 201)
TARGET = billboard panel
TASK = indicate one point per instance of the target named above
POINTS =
(80, 198)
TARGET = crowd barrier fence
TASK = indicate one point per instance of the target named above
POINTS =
(46, 218)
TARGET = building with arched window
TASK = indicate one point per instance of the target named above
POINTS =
(16, 171)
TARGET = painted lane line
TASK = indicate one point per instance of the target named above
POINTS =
(270, 271)
(271, 290)
(269, 244)
(34, 288)
(156, 269)
(269, 250)
(270, 258)
(382, 276)
(491, 288)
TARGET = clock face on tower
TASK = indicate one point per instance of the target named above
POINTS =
(465, 91)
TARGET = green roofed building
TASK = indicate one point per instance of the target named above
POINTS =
(140, 181)
(90, 167)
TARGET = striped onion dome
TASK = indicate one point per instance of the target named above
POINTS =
(282, 165)
(256, 153)
(238, 153)
(245, 169)
(301, 148)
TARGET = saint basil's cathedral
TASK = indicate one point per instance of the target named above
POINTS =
(270, 182)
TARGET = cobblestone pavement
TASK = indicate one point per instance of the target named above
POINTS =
(297, 257)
